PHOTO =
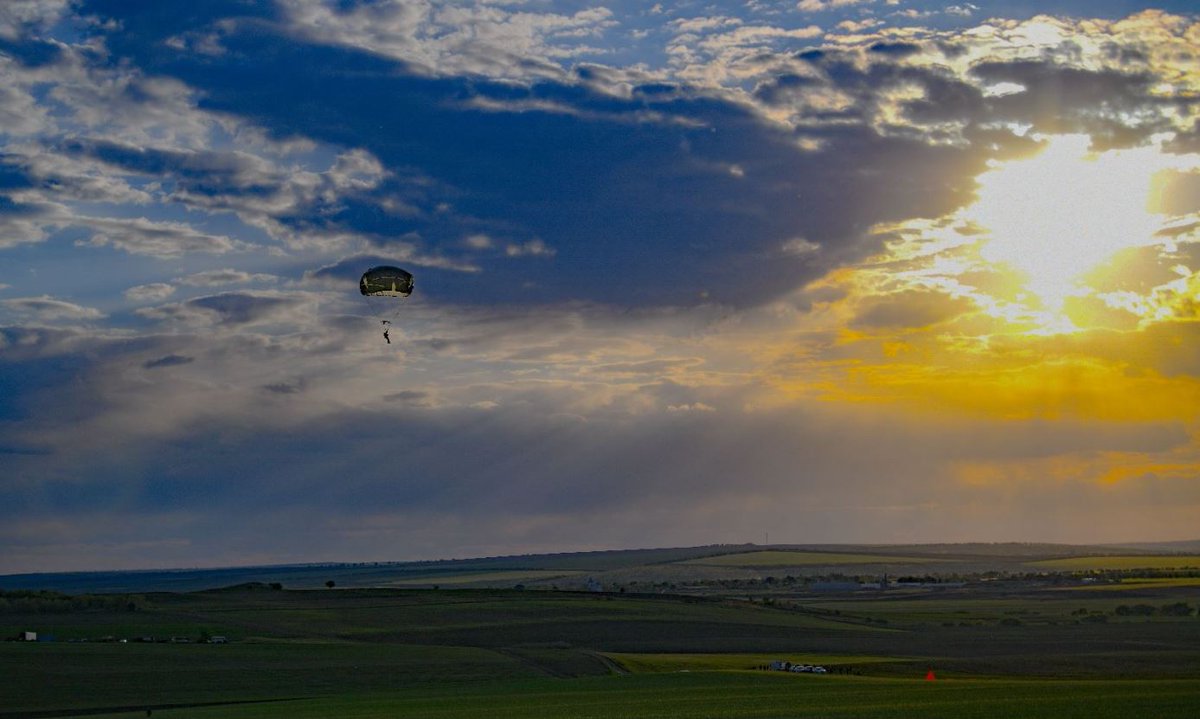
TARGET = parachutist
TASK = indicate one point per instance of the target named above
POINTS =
(386, 281)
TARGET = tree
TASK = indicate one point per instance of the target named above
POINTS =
(331, 584)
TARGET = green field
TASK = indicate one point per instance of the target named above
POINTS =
(1003, 643)
(1121, 562)
(1129, 585)
(801, 559)
(494, 579)
(726, 695)
(658, 663)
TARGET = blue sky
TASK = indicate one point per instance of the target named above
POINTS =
(685, 273)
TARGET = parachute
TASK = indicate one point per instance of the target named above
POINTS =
(385, 282)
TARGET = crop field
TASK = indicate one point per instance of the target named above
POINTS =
(729, 695)
(1021, 645)
(1121, 562)
(1136, 585)
(494, 579)
(651, 663)
(800, 559)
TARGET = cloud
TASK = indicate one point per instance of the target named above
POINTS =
(714, 268)
(824, 5)
(534, 248)
(168, 361)
(141, 236)
(475, 39)
(20, 17)
(228, 276)
(24, 223)
(228, 309)
(910, 308)
(154, 292)
(47, 308)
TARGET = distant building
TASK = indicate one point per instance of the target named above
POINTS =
(28, 637)
(593, 585)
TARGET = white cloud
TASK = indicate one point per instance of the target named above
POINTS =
(853, 26)
(20, 113)
(229, 276)
(47, 308)
(800, 246)
(444, 38)
(478, 242)
(18, 17)
(823, 5)
(238, 310)
(532, 248)
(141, 236)
(30, 223)
(154, 292)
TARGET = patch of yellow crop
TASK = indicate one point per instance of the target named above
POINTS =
(1121, 562)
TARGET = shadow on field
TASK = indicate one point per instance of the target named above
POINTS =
(147, 710)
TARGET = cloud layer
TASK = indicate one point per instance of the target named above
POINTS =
(681, 278)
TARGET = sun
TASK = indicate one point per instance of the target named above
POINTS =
(1054, 216)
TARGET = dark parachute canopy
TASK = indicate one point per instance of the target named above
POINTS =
(386, 281)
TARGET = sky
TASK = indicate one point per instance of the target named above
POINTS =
(826, 271)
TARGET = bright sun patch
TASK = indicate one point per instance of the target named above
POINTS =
(1057, 215)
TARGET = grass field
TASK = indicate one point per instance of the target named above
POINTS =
(1128, 585)
(1120, 562)
(494, 579)
(1019, 646)
(744, 695)
(658, 663)
(801, 559)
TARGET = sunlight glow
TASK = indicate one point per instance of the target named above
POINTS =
(1061, 213)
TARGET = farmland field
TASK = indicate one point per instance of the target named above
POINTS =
(1121, 562)
(489, 578)
(729, 695)
(1130, 585)
(1024, 644)
(798, 559)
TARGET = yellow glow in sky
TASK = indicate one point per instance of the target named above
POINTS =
(1061, 213)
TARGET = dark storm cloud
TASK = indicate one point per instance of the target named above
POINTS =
(683, 197)
(410, 398)
(230, 308)
(23, 451)
(237, 308)
(1117, 108)
(522, 468)
(171, 360)
(292, 387)
(288, 144)
(895, 49)
(23, 382)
